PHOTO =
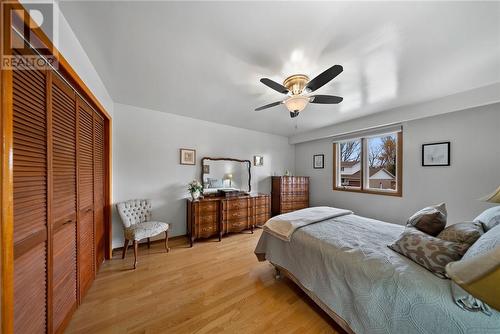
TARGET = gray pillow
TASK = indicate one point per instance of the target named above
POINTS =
(430, 220)
(430, 252)
(485, 243)
(466, 232)
(489, 218)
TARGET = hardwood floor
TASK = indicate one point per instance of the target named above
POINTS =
(214, 287)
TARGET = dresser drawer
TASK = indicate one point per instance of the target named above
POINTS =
(287, 206)
(237, 204)
(301, 198)
(207, 230)
(210, 206)
(288, 197)
(208, 219)
(300, 205)
(262, 210)
(236, 214)
(237, 225)
(260, 201)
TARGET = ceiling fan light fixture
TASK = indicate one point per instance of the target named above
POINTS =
(296, 103)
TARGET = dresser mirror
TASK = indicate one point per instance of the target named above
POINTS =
(222, 175)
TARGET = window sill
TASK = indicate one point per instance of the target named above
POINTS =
(370, 191)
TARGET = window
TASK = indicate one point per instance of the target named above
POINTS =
(369, 164)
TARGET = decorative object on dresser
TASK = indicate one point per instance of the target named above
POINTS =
(218, 215)
(318, 161)
(187, 156)
(195, 189)
(289, 193)
(137, 224)
(436, 154)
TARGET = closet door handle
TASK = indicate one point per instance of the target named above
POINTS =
(88, 210)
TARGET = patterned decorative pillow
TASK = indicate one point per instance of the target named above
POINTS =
(466, 232)
(430, 220)
(489, 218)
(430, 252)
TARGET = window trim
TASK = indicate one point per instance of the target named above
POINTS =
(362, 188)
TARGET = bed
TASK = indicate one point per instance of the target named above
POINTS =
(345, 266)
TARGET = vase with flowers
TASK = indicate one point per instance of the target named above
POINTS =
(195, 189)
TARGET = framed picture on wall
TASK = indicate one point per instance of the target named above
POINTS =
(436, 154)
(206, 169)
(318, 161)
(258, 160)
(188, 156)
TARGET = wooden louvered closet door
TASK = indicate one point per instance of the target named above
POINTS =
(30, 200)
(64, 298)
(85, 196)
(99, 190)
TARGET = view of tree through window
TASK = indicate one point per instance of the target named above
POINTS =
(350, 161)
(382, 162)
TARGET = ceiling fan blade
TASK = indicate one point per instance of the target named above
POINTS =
(325, 99)
(274, 104)
(274, 85)
(324, 78)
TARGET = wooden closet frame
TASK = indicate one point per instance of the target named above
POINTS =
(6, 159)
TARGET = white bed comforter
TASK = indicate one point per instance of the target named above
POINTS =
(346, 263)
(283, 226)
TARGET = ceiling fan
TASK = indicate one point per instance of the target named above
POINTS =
(298, 86)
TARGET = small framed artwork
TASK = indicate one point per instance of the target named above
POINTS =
(436, 154)
(258, 160)
(318, 161)
(188, 156)
(206, 169)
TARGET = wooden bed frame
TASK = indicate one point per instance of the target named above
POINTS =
(338, 319)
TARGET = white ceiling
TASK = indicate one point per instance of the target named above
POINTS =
(204, 59)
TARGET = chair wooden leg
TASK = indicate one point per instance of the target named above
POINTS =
(149, 243)
(166, 242)
(135, 253)
(125, 248)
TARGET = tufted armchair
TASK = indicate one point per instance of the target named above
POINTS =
(137, 224)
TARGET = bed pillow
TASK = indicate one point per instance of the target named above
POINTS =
(466, 232)
(477, 261)
(487, 242)
(430, 220)
(489, 218)
(430, 252)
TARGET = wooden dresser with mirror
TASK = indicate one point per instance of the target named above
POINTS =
(227, 205)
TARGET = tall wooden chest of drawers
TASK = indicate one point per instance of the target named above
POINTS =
(289, 193)
(216, 216)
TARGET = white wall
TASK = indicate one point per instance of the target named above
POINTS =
(71, 49)
(146, 147)
(474, 171)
